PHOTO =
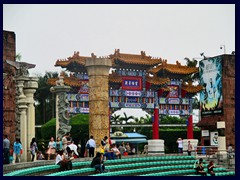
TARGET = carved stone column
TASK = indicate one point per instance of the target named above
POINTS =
(22, 107)
(30, 86)
(62, 120)
(98, 72)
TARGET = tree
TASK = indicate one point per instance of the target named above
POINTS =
(126, 119)
(147, 119)
(115, 119)
(192, 63)
(18, 57)
(45, 101)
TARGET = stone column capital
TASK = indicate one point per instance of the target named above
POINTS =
(98, 66)
(60, 89)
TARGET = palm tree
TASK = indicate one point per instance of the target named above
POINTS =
(147, 119)
(115, 119)
(125, 119)
(192, 63)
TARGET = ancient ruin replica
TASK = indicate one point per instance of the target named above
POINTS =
(136, 81)
(18, 92)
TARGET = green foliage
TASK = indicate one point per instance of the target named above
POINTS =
(45, 100)
(80, 127)
(48, 129)
(79, 123)
(172, 120)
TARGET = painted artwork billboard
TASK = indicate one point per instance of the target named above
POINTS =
(211, 97)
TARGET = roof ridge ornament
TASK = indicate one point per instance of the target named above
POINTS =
(143, 54)
(117, 52)
(178, 63)
(93, 56)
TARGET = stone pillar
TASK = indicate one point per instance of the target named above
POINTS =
(30, 86)
(22, 105)
(221, 139)
(62, 120)
(98, 72)
(156, 145)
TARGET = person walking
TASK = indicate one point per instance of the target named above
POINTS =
(190, 148)
(33, 148)
(180, 145)
(91, 145)
(17, 147)
(6, 152)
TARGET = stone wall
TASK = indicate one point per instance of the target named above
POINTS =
(229, 97)
(9, 89)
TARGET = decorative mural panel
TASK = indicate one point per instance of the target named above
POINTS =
(173, 101)
(82, 76)
(78, 97)
(133, 93)
(185, 101)
(131, 83)
(84, 89)
(77, 110)
(173, 93)
(211, 98)
(173, 112)
(150, 94)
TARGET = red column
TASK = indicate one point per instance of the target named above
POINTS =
(190, 128)
(155, 126)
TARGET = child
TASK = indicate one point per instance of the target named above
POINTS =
(40, 156)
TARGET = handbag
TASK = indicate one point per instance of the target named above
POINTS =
(88, 146)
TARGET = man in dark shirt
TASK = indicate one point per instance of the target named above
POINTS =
(6, 153)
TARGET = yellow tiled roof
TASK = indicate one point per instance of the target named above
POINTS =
(157, 81)
(69, 81)
(191, 88)
(141, 59)
(174, 68)
(76, 58)
(165, 89)
(115, 78)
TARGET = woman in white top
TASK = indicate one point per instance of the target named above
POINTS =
(180, 145)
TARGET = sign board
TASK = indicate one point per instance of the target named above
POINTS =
(214, 138)
(205, 132)
(211, 97)
(132, 83)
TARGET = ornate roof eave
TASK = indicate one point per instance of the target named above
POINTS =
(134, 59)
(189, 88)
(177, 69)
(157, 81)
(115, 78)
(69, 81)
(74, 63)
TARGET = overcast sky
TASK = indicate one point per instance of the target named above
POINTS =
(45, 33)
